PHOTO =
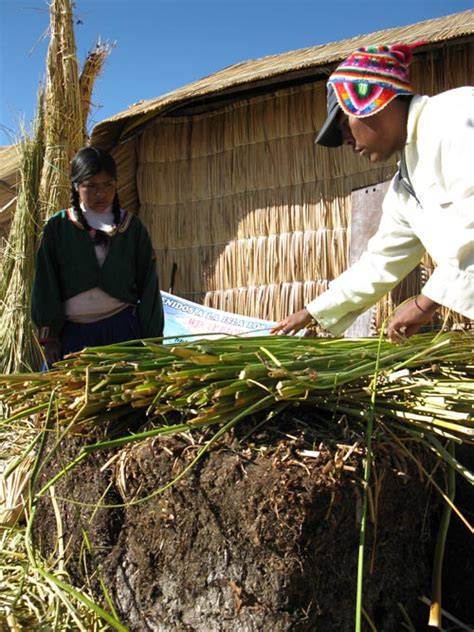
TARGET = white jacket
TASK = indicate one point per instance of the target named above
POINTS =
(439, 155)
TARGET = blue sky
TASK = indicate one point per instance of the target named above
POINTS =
(164, 44)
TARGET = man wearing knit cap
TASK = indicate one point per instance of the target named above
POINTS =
(429, 206)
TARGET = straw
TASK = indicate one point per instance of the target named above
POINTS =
(19, 349)
(64, 123)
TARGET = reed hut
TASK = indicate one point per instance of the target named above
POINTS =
(9, 160)
(245, 212)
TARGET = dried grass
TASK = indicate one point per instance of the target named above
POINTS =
(19, 349)
(8, 181)
(14, 492)
(64, 123)
(44, 177)
(91, 69)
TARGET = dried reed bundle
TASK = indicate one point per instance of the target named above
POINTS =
(91, 69)
(44, 173)
(16, 462)
(64, 123)
(14, 492)
(19, 349)
(8, 189)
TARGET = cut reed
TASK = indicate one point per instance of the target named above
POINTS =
(425, 386)
(422, 391)
(20, 351)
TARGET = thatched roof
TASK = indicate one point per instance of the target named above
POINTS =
(8, 180)
(275, 71)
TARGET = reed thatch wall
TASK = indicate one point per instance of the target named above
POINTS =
(126, 159)
(254, 215)
(9, 159)
(274, 71)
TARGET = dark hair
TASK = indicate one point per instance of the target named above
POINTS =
(89, 161)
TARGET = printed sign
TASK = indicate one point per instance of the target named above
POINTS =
(185, 318)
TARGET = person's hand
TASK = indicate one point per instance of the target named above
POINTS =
(293, 323)
(409, 317)
(52, 351)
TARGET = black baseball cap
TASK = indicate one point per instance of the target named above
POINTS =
(330, 135)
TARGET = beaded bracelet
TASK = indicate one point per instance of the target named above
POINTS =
(419, 307)
(44, 341)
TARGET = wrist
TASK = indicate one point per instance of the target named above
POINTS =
(425, 304)
(45, 336)
(312, 319)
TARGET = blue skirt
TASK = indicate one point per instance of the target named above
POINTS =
(118, 328)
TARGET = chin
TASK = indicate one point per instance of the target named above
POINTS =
(377, 158)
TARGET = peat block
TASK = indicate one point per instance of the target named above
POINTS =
(259, 535)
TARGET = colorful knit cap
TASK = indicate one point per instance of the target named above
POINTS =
(371, 77)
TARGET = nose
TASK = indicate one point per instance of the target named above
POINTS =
(100, 190)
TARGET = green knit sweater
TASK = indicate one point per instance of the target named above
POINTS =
(67, 265)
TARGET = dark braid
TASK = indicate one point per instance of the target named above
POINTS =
(76, 205)
(116, 210)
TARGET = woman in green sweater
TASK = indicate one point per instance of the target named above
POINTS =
(95, 280)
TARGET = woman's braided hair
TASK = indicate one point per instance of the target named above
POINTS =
(89, 161)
